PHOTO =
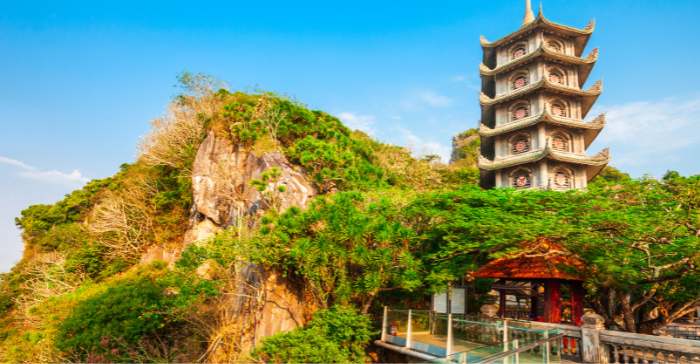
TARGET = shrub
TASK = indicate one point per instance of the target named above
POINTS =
(301, 346)
(335, 335)
(127, 310)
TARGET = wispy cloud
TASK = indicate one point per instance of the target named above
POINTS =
(358, 122)
(458, 78)
(16, 163)
(429, 97)
(425, 147)
(652, 129)
(52, 176)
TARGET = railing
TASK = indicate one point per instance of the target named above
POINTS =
(444, 335)
(571, 343)
(625, 347)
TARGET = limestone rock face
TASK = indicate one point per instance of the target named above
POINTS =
(158, 252)
(221, 175)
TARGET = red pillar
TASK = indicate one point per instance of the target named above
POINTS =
(552, 301)
(502, 303)
(533, 305)
(576, 301)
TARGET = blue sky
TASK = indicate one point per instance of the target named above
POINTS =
(79, 81)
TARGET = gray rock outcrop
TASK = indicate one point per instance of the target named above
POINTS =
(222, 196)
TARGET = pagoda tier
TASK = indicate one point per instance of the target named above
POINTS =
(587, 97)
(589, 129)
(580, 37)
(585, 65)
(532, 129)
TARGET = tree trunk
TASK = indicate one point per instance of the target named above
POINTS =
(368, 304)
(627, 313)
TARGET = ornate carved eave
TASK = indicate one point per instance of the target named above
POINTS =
(541, 22)
(597, 123)
(595, 90)
(541, 51)
(600, 159)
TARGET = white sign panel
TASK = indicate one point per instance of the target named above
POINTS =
(458, 301)
(440, 303)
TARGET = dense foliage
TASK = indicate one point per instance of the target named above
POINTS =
(335, 335)
(389, 225)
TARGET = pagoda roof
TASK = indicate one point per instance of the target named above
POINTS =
(540, 265)
(585, 64)
(588, 97)
(595, 163)
(592, 128)
(581, 36)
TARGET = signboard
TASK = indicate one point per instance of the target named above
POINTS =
(458, 301)
(440, 303)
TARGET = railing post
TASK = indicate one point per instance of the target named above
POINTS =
(449, 334)
(517, 355)
(505, 339)
(545, 349)
(408, 331)
(384, 323)
(594, 350)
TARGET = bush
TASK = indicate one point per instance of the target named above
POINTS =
(301, 346)
(126, 310)
(336, 335)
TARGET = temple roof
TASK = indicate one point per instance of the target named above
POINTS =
(588, 97)
(581, 36)
(523, 266)
(585, 64)
(597, 162)
(592, 127)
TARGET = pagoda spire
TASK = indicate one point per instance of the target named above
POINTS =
(529, 16)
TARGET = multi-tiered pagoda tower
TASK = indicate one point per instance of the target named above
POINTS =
(532, 108)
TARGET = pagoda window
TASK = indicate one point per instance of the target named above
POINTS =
(519, 81)
(520, 144)
(518, 51)
(556, 77)
(558, 109)
(522, 179)
(555, 46)
(562, 179)
(559, 143)
(520, 111)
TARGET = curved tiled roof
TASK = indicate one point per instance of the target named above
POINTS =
(523, 266)
(597, 123)
(602, 158)
(540, 22)
(590, 58)
(595, 90)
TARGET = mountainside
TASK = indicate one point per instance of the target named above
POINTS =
(103, 275)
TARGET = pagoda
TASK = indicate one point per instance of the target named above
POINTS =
(533, 105)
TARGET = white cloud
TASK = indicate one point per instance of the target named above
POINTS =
(429, 97)
(16, 163)
(458, 78)
(651, 129)
(56, 176)
(53, 176)
(358, 122)
(425, 147)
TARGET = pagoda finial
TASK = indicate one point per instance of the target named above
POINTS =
(529, 16)
(540, 13)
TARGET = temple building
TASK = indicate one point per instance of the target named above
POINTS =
(533, 105)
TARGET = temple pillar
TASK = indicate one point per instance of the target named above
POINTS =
(552, 301)
(541, 135)
(576, 302)
(544, 178)
(501, 304)
(499, 178)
